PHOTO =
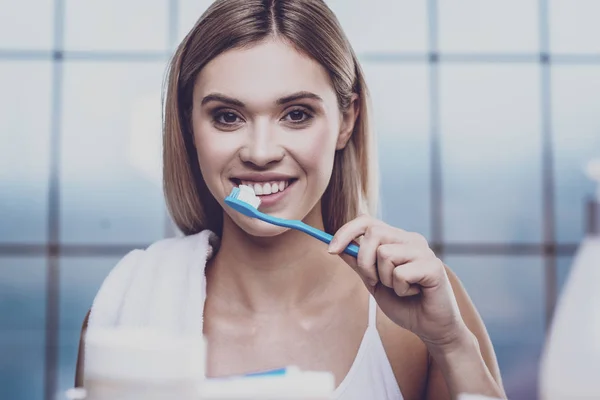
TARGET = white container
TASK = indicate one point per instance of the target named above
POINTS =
(592, 170)
(133, 364)
(570, 367)
(125, 364)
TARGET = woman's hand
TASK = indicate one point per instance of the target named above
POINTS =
(413, 289)
(406, 278)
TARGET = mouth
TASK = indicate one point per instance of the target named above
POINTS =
(265, 188)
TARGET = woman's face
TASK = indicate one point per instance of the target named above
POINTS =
(267, 116)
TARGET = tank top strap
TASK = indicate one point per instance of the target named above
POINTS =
(372, 311)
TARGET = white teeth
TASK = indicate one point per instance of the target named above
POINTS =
(265, 188)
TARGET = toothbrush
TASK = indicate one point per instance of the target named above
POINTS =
(243, 200)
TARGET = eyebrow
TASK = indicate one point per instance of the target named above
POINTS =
(281, 101)
(298, 96)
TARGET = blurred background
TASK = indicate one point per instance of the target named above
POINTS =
(486, 113)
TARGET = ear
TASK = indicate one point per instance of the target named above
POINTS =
(348, 121)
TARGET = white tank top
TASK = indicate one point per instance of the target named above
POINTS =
(371, 375)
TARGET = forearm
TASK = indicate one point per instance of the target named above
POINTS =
(464, 368)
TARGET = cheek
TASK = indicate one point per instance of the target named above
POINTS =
(317, 154)
(214, 153)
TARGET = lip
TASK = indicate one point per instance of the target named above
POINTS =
(262, 177)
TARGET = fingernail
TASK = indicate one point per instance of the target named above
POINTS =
(372, 282)
(331, 248)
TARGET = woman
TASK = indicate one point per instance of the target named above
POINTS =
(269, 93)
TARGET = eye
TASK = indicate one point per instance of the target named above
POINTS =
(298, 116)
(227, 118)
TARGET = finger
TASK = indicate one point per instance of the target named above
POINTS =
(401, 282)
(348, 232)
(409, 279)
(365, 226)
(389, 256)
(367, 258)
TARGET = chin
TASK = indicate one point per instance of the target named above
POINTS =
(256, 227)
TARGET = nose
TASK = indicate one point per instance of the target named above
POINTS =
(262, 146)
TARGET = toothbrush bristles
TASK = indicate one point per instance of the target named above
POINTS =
(246, 194)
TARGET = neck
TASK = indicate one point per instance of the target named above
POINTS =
(271, 274)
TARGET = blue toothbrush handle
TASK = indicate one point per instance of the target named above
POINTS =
(325, 237)
(352, 249)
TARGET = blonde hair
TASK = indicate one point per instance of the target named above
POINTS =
(312, 28)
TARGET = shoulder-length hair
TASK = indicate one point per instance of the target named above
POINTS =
(312, 28)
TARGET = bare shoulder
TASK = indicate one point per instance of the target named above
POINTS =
(408, 357)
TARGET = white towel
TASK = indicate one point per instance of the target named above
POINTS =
(161, 288)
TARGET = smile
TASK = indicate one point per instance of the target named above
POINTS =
(264, 188)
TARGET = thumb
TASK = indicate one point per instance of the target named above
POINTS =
(351, 260)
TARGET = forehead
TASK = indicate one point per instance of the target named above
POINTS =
(263, 72)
